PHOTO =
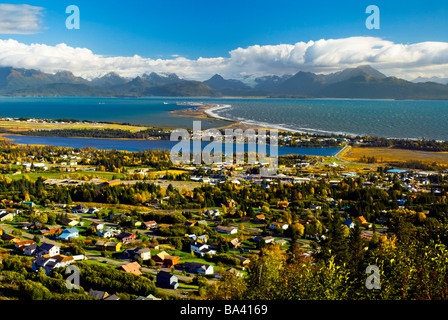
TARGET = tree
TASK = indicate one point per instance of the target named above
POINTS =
(265, 272)
(336, 243)
(229, 287)
(356, 247)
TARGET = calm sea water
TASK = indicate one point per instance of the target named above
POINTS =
(382, 118)
(385, 118)
(141, 111)
(139, 145)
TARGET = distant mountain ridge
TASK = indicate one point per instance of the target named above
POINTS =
(361, 82)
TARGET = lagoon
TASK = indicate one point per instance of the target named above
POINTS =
(141, 145)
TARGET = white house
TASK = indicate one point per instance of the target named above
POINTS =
(50, 263)
(281, 225)
(201, 248)
(227, 230)
(47, 249)
(195, 267)
(107, 233)
(212, 213)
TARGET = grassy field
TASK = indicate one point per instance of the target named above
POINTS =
(63, 175)
(26, 126)
(384, 155)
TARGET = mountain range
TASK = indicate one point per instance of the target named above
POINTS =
(361, 82)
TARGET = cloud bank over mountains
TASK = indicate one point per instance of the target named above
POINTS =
(408, 61)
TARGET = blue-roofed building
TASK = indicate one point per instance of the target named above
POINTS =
(396, 171)
(68, 234)
(349, 223)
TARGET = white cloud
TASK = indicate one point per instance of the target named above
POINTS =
(20, 18)
(323, 56)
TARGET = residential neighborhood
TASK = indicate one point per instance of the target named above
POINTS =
(181, 237)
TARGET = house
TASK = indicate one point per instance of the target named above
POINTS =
(160, 257)
(190, 223)
(362, 221)
(314, 207)
(9, 237)
(235, 243)
(126, 237)
(47, 249)
(92, 210)
(154, 246)
(260, 218)
(230, 203)
(132, 267)
(212, 213)
(150, 224)
(112, 297)
(171, 261)
(23, 244)
(79, 207)
(156, 201)
(266, 240)
(32, 225)
(142, 253)
(281, 242)
(164, 258)
(196, 267)
(148, 297)
(167, 280)
(97, 226)
(29, 250)
(349, 223)
(6, 216)
(98, 294)
(275, 225)
(227, 230)
(50, 231)
(202, 238)
(49, 263)
(244, 261)
(201, 248)
(235, 272)
(7, 202)
(30, 204)
(107, 233)
(70, 233)
(69, 222)
(113, 246)
(282, 204)
(108, 246)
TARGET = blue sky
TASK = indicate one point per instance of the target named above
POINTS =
(211, 29)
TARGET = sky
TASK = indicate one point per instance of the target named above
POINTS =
(196, 39)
